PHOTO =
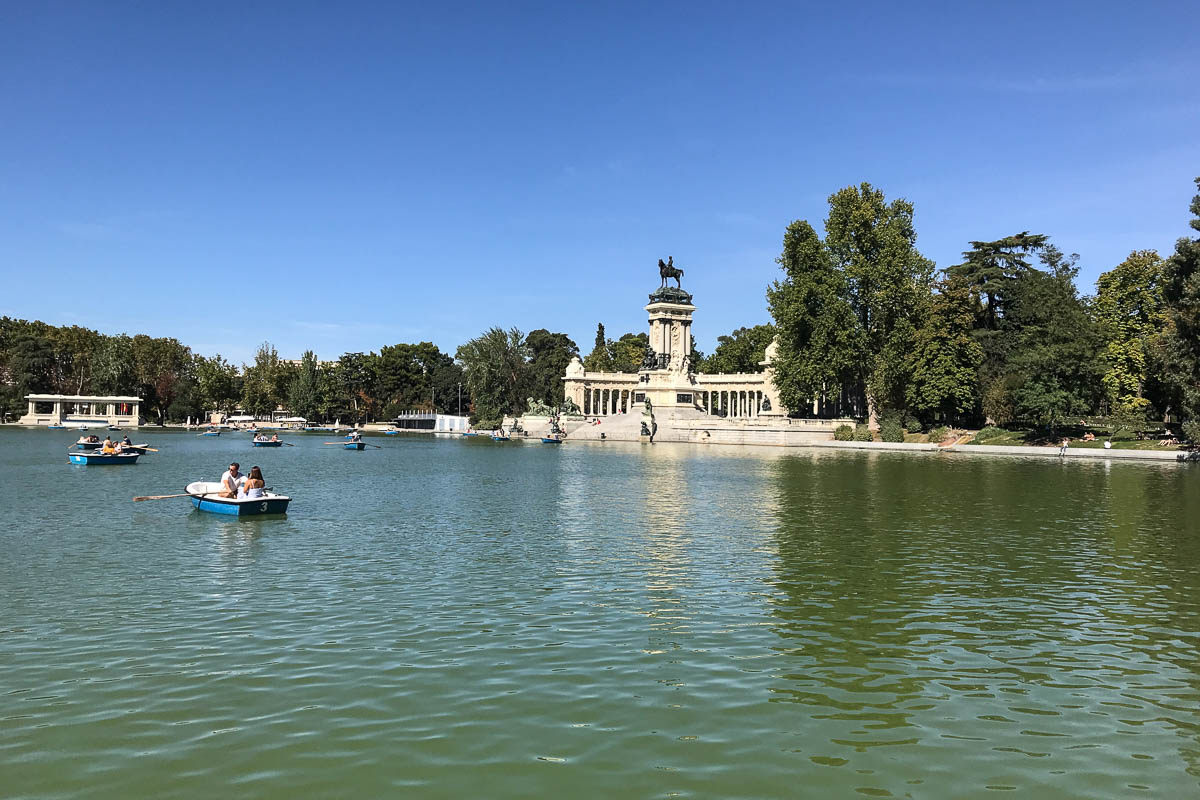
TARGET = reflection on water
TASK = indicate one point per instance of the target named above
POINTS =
(462, 618)
(961, 613)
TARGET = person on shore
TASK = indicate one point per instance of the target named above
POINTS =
(253, 486)
(232, 481)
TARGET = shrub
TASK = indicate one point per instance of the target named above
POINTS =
(890, 430)
(939, 433)
(843, 433)
(863, 434)
(990, 432)
(1191, 429)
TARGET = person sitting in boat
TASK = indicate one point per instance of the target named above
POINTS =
(93, 439)
(232, 481)
(260, 438)
(125, 440)
(356, 436)
(274, 437)
(107, 447)
(253, 486)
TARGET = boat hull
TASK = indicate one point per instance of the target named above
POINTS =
(211, 433)
(94, 459)
(501, 438)
(88, 445)
(267, 444)
(548, 440)
(355, 446)
(203, 497)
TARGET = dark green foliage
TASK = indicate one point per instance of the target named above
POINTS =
(989, 270)
(550, 353)
(850, 306)
(862, 433)
(891, 431)
(1180, 343)
(938, 434)
(945, 359)
(1191, 430)
(496, 367)
(741, 351)
(600, 359)
(843, 433)
(1056, 362)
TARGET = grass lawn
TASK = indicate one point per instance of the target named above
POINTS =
(1027, 438)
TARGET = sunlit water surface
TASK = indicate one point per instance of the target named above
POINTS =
(458, 618)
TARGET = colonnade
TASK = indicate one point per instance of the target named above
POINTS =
(604, 402)
(739, 404)
(732, 403)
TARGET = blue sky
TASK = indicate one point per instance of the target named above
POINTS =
(345, 176)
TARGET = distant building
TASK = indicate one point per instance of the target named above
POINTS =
(430, 423)
(74, 409)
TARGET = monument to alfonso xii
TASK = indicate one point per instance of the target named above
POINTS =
(734, 408)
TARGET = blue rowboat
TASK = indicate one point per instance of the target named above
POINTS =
(204, 497)
(56, 427)
(140, 449)
(390, 433)
(88, 445)
(551, 440)
(355, 445)
(501, 438)
(267, 444)
(470, 433)
(103, 458)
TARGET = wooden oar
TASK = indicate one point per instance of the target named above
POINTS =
(287, 444)
(165, 496)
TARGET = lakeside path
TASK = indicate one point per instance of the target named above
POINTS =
(1169, 456)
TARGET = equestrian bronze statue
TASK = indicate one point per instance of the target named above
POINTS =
(669, 270)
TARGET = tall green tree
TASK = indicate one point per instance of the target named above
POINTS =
(259, 389)
(944, 363)
(1130, 311)
(304, 395)
(741, 351)
(549, 356)
(874, 243)
(628, 352)
(600, 359)
(820, 342)
(989, 270)
(496, 367)
(163, 371)
(216, 383)
(114, 368)
(1055, 367)
(1180, 344)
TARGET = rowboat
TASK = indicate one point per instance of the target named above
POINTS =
(267, 443)
(88, 445)
(56, 427)
(390, 433)
(140, 449)
(355, 445)
(211, 433)
(501, 438)
(103, 458)
(551, 440)
(470, 433)
(113, 428)
(204, 497)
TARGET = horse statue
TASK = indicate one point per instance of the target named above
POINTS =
(669, 270)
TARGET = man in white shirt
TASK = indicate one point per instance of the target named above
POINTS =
(231, 481)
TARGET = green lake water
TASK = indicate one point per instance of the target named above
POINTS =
(460, 618)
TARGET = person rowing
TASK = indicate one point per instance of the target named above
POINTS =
(232, 481)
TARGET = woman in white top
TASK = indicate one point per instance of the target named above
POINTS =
(254, 484)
